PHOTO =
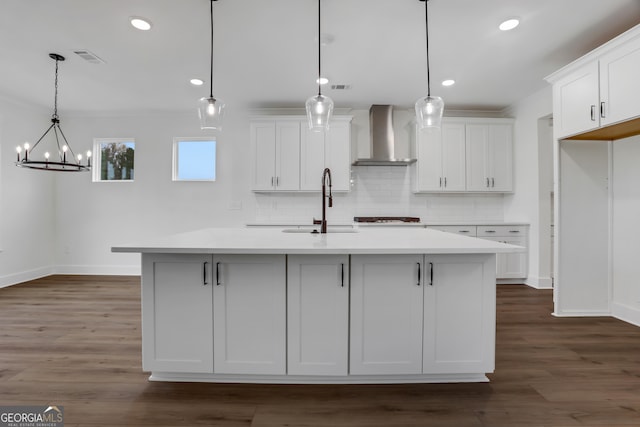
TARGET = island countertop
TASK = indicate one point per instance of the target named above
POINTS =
(276, 241)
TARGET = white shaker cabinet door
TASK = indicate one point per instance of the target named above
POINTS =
(249, 299)
(576, 102)
(318, 314)
(619, 83)
(459, 314)
(176, 319)
(386, 314)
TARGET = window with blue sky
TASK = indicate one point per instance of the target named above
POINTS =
(194, 159)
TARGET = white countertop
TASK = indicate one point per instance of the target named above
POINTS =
(383, 240)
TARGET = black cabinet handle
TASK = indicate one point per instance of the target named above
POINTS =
(487, 182)
(593, 113)
(602, 110)
(440, 181)
(217, 274)
(430, 274)
(342, 275)
(493, 182)
(204, 274)
(514, 231)
(419, 273)
(445, 182)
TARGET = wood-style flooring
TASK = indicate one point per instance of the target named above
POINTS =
(75, 341)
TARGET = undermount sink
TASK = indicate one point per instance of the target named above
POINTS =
(317, 230)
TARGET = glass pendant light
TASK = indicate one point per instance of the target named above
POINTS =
(210, 109)
(319, 107)
(429, 109)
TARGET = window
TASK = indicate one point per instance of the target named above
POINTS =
(194, 159)
(113, 159)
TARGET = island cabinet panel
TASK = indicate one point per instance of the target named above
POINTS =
(459, 320)
(177, 327)
(386, 314)
(249, 300)
(318, 314)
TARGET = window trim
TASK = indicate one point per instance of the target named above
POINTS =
(174, 160)
(97, 158)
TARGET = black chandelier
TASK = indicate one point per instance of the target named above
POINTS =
(67, 159)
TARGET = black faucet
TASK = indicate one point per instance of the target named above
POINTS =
(325, 174)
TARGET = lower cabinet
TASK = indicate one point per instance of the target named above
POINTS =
(413, 314)
(318, 314)
(177, 313)
(510, 265)
(249, 314)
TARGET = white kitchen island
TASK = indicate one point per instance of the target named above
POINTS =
(388, 305)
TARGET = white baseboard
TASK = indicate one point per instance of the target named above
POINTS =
(25, 276)
(539, 282)
(99, 270)
(578, 313)
(626, 313)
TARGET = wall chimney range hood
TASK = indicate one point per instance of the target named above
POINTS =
(382, 139)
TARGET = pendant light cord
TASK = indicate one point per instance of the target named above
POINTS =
(211, 69)
(319, 48)
(426, 19)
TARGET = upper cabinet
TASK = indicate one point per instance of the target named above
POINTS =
(595, 95)
(465, 155)
(489, 157)
(287, 156)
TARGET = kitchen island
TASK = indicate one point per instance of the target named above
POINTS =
(288, 306)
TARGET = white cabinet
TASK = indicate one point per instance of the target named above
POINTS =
(598, 90)
(509, 265)
(441, 158)
(465, 155)
(331, 149)
(276, 155)
(576, 100)
(489, 157)
(459, 319)
(249, 314)
(177, 327)
(287, 156)
(386, 314)
(317, 314)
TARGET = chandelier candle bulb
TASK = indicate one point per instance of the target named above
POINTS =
(79, 158)
(89, 158)
(19, 150)
(64, 153)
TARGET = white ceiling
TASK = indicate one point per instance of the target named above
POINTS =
(266, 50)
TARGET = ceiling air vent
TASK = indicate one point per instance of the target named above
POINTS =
(88, 56)
(340, 87)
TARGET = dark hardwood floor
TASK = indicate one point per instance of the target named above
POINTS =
(75, 341)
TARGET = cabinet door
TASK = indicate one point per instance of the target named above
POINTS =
(386, 314)
(177, 313)
(512, 265)
(287, 177)
(263, 148)
(459, 314)
(500, 157)
(318, 314)
(312, 159)
(619, 83)
(429, 165)
(453, 156)
(576, 102)
(338, 155)
(477, 146)
(249, 300)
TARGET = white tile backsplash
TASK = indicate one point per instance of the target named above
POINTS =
(380, 191)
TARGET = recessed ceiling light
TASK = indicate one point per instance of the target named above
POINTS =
(140, 23)
(196, 82)
(509, 24)
(448, 82)
(322, 81)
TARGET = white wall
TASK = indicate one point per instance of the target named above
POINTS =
(625, 231)
(526, 201)
(27, 216)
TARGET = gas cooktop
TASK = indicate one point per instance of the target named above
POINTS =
(385, 219)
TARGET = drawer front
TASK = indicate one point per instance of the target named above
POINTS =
(502, 230)
(467, 230)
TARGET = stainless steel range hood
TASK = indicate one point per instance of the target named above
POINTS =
(382, 139)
